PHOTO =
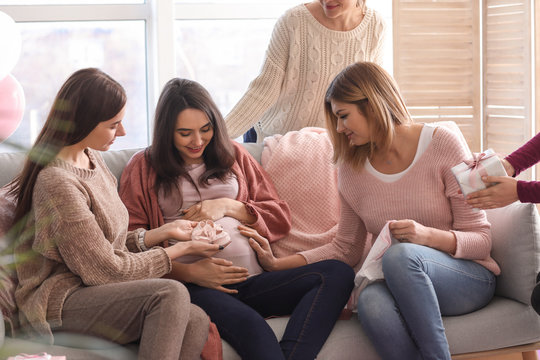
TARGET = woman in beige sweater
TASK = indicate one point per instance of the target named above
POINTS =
(79, 268)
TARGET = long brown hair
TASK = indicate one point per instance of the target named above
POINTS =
(219, 156)
(376, 94)
(88, 97)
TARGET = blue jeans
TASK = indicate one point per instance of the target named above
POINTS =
(313, 295)
(250, 136)
(402, 316)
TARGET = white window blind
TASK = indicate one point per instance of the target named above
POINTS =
(508, 74)
(437, 62)
(470, 61)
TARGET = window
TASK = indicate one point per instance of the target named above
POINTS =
(52, 51)
(142, 44)
(60, 39)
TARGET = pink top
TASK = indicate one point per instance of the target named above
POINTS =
(427, 193)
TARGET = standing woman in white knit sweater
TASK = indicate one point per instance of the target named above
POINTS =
(311, 43)
(79, 269)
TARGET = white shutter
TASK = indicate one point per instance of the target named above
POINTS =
(437, 63)
(507, 75)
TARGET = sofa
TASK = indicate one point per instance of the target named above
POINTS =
(507, 325)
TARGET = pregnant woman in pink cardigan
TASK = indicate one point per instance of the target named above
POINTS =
(193, 171)
(391, 169)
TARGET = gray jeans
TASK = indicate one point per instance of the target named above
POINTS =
(156, 312)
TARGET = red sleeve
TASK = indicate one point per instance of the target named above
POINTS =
(526, 156)
(258, 193)
(138, 196)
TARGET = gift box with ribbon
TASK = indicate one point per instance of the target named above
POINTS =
(469, 173)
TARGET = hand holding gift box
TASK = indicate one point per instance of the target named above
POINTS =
(469, 173)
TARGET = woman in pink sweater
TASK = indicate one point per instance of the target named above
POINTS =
(79, 269)
(393, 170)
(193, 171)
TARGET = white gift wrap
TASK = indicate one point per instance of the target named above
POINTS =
(469, 174)
(371, 269)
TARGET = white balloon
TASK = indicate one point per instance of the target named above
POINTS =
(10, 44)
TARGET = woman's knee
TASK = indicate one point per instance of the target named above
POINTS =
(400, 258)
(337, 270)
(198, 316)
(174, 295)
(373, 301)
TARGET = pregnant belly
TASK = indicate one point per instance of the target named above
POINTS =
(239, 252)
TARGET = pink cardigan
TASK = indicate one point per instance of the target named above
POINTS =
(255, 190)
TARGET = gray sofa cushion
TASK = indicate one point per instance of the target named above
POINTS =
(515, 232)
(11, 164)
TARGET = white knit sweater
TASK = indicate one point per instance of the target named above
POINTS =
(303, 57)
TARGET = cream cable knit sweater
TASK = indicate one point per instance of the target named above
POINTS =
(303, 57)
(80, 240)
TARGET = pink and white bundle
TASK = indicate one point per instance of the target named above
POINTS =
(469, 173)
(210, 232)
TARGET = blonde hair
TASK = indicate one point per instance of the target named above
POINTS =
(377, 97)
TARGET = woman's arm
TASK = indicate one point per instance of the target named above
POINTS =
(470, 227)
(212, 273)
(413, 232)
(526, 156)
(348, 245)
(264, 90)
(271, 216)
(215, 209)
(266, 258)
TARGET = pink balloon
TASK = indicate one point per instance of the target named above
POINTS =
(12, 104)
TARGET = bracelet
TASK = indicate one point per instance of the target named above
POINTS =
(142, 245)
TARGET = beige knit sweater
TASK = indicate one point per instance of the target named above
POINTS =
(80, 239)
(303, 57)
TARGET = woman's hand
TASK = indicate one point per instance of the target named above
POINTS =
(410, 231)
(197, 248)
(213, 273)
(498, 195)
(216, 209)
(179, 230)
(261, 246)
(207, 210)
(413, 232)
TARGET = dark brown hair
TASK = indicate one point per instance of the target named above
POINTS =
(219, 156)
(88, 97)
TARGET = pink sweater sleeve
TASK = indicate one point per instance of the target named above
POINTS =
(470, 226)
(349, 243)
(257, 192)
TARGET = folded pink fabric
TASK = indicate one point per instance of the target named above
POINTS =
(210, 232)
